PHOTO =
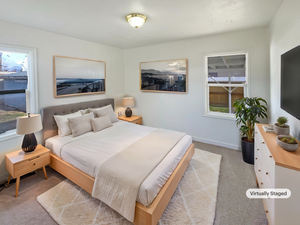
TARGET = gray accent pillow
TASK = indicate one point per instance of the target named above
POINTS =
(81, 124)
(106, 110)
(101, 123)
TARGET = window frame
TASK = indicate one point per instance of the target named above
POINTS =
(246, 85)
(32, 88)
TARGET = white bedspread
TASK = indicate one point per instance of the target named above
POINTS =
(89, 151)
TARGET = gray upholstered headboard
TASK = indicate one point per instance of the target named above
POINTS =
(49, 124)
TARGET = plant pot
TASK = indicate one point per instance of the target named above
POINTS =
(248, 151)
(286, 146)
(285, 130)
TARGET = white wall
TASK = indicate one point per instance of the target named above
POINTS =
(184, 112)
(284, 35)
(49, 44)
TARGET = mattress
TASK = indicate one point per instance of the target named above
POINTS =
(87, 152)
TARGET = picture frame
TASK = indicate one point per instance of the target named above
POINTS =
(164, 76)
(76, 76)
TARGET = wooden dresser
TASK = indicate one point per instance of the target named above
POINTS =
(276, 168)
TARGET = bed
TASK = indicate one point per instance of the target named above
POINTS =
(72, 158)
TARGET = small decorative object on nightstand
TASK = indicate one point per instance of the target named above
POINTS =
(132, 119)
(28, 125)
(128, 102)
(19, 163)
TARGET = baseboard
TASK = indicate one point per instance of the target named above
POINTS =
(218, 143)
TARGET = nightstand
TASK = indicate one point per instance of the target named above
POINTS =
(18, 163)
(132, 119)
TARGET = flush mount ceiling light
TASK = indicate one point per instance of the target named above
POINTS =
(136, 20)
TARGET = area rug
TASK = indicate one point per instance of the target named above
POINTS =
(193, 202)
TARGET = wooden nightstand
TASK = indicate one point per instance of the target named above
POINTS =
(18, 163)
(132, 119)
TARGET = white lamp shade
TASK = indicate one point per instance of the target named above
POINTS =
(136, 21)
(28, 125)
(128, 102)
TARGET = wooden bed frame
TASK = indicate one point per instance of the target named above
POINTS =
(143, 215)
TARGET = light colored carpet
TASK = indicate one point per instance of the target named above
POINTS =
(193, 202)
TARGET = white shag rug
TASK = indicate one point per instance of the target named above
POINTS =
(193, 202)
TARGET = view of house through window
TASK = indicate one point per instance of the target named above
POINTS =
(13, 84)
(226, 81)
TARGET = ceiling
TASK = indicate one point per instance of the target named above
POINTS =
(102, 21)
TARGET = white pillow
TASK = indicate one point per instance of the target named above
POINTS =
(84, 111)
(88, 110)
(101, 123)
(63, 123)
(106, 110)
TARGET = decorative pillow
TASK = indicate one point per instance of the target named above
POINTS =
(101, 123)
(81, 124)
(107, 110)
(93, 110)
(63, 123)
(84, 111)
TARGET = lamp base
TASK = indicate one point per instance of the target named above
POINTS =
(128, 112)
(29, 143)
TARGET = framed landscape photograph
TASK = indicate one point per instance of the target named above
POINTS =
(74, 76)
(164, 76)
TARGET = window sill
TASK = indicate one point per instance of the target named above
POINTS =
(216, 115)
(8, 135)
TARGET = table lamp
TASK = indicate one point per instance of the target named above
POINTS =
(128, 102)
(28, 125)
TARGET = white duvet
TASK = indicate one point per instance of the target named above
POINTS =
(87, 152)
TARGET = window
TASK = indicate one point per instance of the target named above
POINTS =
(17, 87)
(226, 82)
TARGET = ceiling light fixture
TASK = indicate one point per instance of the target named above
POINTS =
(136, 20)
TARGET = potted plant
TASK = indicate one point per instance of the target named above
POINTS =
(281, 127)
(248, 110)
(287, 142)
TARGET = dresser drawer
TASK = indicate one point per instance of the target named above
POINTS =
(32, 164)
(265, 181)
(258, 138)
(257, 167)
(269, 209)
(266, 159)
(268, 162)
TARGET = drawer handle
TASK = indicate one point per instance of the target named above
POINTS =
(258, 170)
(255, 158)
(256, 132)
(261, 183)
(263, 142)
(270, 156)
(267, 173)
(34, 158)
(34, 164)
(267, 211)
(258, 149)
